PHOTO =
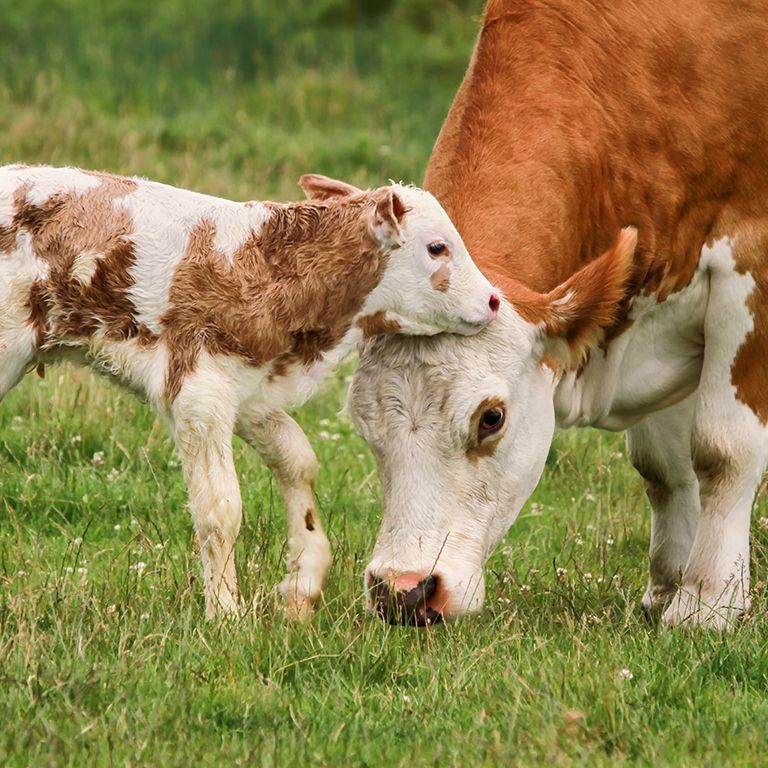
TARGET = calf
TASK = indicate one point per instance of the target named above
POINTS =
(220, 314)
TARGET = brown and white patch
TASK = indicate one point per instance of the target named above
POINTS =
(377, 324)
(288, 294)
(440, 279)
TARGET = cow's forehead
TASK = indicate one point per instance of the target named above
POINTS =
(444, 371)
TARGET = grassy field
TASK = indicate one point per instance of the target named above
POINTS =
(104, 655)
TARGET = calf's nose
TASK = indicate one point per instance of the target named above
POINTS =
(406, 599)
(493, 304)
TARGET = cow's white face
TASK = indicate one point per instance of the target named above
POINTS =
(460, 430)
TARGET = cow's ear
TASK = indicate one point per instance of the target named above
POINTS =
(575, 316)
(387, 216)
(320, 188)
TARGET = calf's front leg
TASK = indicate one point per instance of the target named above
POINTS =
(202, 428)
(287, 452)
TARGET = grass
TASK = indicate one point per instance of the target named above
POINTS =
(104, 655)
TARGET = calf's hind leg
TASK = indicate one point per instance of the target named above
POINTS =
(287, 452)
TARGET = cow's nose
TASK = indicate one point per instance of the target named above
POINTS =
(406, 599)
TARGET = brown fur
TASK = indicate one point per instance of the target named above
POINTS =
(288, 295)
(577, 117)
(749, 373)
(440, 279)
(63, 227)
(377, 324)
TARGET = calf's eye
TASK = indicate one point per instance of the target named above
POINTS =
(437, 248)
(491, 421)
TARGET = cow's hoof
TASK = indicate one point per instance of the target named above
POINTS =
(689, 609)
(654, 602)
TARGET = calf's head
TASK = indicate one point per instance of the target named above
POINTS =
(460, 429)
(430, 284)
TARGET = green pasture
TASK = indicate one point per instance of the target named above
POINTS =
(105, 658)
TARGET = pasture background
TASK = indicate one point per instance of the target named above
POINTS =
(104, 655)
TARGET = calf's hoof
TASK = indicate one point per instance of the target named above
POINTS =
(300, 599)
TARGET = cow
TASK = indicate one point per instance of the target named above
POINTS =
(606, 162)
(220, 314)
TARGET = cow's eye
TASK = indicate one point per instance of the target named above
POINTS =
(437, 248)
(491, 421)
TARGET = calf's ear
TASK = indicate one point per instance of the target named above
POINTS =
(387, 217)
(320, 188)
(576, 316)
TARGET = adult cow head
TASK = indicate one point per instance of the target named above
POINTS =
(460, 429)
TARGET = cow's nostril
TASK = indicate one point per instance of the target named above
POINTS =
(494, 303)
(406, 599)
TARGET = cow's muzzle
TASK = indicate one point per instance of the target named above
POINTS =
(408, 599)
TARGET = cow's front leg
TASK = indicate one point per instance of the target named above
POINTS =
(202, 428)
(287, 452)
(729, 449)
(659, 448)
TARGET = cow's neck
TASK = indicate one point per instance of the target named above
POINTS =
(559, 135)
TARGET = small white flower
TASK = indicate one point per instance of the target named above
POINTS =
(117, 527)
(525, 587)
(75, 439)
(113, 475)
(134, 522)
(21, 573)
(82, 571)
(561, 573)
(609, 541)
(323, 435)
(111, 610)
(578, 541)
(589, 496)
(78, 541)
(335, 436)
(98, 458)
(69, 569)
(587, 576)
(17, 421)
(138, 567)
(144, 616)
(406, 698)
(323, 422)
(626, 674)
(159, 546)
